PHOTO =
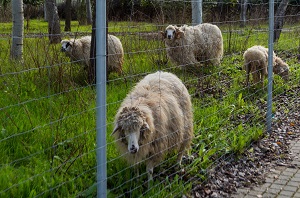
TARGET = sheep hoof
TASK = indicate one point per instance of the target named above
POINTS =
(182, 171)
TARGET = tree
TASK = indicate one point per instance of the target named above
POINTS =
(92, 66)
(28, 8)
(53, 22)
(68, 15)
(81, 12)
(243, 13)
(17, 30)
(4, 3)
(279, 19)
(88, 12)
(84, 12)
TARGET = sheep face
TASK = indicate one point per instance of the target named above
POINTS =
(282, 71)
(66, 46)
(172, 32)
(131, 126)
(281, 68)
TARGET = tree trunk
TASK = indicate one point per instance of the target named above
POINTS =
(81, 12)
(68, 15)
(53, 22)
(88, 12)
(17, 30)
(279, 19)
(243, 13)
(45, 12)
(92, 66)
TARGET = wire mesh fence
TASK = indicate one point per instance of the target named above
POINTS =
(48, 107)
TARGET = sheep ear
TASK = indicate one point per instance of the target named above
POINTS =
(145, 127)
(164, 35)
(179, 34)
(117, 128)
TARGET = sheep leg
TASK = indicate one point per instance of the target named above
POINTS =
(262, 80)
(150, 168)
(247, 74)
(264, 74)
(220, 88)
(182, 150)
(255, 77)
(255, 74)
(179, 157)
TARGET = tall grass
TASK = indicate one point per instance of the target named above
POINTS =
(48, 131)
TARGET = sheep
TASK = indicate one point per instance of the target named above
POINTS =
(79, 50)
(281, 68)
(188, 45)
(154, 119)
(256, 63)
(115, 54)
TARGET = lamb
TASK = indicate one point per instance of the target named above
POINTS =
(79, 50)
(154, 119)
(256, 63)
(188, 45)
(281, 68)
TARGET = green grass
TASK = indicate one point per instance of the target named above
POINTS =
(47, 127)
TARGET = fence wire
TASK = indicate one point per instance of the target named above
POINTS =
(48, 108)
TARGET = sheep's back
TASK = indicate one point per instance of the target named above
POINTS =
(115, 54)
(169, 101)
(81, 49)
(210, 41)
(256, 59)
(253, 54)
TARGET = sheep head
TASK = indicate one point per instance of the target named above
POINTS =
(172, 32)
(132, 126)
(281, 68)
(66, 45)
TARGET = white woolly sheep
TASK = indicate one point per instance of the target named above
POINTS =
(256, 63)
(188, 45)
(115, 54)
(79, 50)
(154, 119)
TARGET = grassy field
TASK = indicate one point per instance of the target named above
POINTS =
(47, 110)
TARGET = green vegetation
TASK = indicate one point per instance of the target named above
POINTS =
(47, 110)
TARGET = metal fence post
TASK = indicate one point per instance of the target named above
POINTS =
(196, 12)
(270, 66)
(101, 98)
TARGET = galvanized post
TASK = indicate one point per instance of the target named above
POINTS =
(101, 98)
(196, 12)
(270, 66)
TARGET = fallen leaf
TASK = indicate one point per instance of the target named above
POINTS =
(207, 191)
